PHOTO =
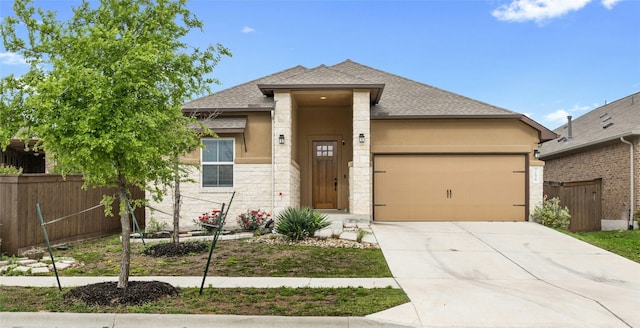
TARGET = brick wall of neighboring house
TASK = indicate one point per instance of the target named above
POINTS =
(610, 163)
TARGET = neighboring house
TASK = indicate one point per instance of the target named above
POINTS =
(602, 144)
(17, 155)
(352, 139)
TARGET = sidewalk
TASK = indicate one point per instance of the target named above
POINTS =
(113, 320)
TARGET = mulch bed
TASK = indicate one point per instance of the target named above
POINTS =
(108, 293)
(137, 292)
(173, 250)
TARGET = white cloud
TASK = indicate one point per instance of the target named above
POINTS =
(541, 10)
(10, 58)
(609, 3)
(560, 115)
(248, 29)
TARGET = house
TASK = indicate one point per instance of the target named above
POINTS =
(602, 144)
(23, 156)
(353, 139)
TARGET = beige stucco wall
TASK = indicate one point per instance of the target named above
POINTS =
(257, 136)
(452, 136)
(462, 136)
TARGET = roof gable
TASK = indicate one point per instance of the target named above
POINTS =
(322, 77)
(606, 123)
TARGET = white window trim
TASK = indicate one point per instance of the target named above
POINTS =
(233, 164)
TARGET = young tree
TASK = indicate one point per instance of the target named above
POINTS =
(104, 92)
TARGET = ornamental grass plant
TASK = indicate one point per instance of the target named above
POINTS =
(297, 223)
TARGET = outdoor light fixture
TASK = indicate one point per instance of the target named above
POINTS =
(281, 139)
(361, 137)
(536, 154)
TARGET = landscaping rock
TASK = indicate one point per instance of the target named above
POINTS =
(39, 270)
(61, 266)
(22, 268)
(27, 262)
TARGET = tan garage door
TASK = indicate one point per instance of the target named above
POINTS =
(449, 188)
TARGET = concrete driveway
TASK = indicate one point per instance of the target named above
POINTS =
(511, 274)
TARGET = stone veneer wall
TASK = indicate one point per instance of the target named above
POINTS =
(360, 174)
(286, 173)
(536, 185)
(252, 184)
(611, 163)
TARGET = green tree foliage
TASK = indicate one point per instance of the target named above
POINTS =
(104, 91)
(551, 214)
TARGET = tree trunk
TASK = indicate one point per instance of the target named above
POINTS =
(125, 223)
(176, 206)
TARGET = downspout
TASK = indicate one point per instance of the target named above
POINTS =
(631, 178)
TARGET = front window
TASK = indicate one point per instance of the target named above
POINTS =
(217, 163)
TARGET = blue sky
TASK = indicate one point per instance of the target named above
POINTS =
(545, 58)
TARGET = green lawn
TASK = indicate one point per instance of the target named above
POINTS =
(622, 242)
(356, 301)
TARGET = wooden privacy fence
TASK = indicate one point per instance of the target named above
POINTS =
(57, 197)
(584, 200)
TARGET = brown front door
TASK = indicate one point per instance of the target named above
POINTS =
(325, 174)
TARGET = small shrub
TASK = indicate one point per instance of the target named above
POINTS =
(299, 223)
(253, 219)
(155, 226)
(8, 169)
(360, 235)
(210, 221)
(551, 214)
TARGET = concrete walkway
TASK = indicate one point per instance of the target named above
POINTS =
(484, 274)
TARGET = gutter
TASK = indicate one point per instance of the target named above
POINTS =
(631, 182)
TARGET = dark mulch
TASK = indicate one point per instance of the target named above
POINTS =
(173, 250)
(108, 293)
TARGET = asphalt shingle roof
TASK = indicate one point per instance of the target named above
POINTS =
(401, 97)
(243, 96)
(606, 123)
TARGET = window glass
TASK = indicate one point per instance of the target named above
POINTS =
(217, 163)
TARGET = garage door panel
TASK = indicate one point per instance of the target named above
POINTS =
(449, 187)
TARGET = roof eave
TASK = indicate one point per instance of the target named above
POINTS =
(411, 117)
(375, 89)
(544, 133)
(550, 155)
(227, 110)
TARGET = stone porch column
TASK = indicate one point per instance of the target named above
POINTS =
(360, 174)
(283, 168)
